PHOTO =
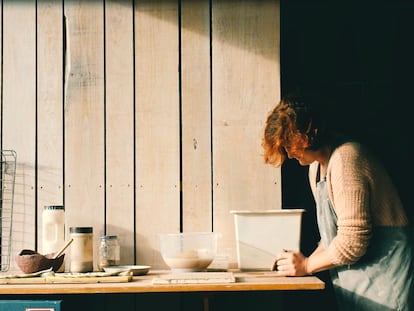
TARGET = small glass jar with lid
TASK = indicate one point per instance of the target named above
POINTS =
(109, 251)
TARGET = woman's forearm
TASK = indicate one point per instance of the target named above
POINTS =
(319, 248)
(318, 261)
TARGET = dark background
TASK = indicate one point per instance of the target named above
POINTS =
(360, 54)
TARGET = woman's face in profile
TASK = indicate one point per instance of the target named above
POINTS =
(303, 156)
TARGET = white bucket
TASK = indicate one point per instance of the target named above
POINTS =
(262, 235)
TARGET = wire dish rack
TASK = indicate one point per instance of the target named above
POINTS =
(7, 181)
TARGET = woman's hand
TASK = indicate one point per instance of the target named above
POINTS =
(291, 263)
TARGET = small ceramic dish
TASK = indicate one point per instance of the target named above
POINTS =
(134, 269)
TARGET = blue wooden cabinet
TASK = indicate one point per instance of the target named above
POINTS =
(30, 305)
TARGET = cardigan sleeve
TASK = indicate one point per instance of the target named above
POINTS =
(349, 187)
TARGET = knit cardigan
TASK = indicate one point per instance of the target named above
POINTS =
(363, 197)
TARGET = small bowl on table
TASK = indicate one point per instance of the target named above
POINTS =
(30, 261)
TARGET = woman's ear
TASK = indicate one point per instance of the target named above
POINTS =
(304, 141)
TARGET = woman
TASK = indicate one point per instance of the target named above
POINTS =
(365, 236)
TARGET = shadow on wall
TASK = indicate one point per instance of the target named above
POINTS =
(364, 65)
(258, 18)
(23, 211)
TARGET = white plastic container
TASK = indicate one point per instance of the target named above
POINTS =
(53, 228)
(262, 235)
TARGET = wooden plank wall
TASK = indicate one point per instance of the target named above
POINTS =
(19, 112)
(141, 117)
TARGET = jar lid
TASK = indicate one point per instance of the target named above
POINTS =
(54, 207)
(109, 237)
(80, 229)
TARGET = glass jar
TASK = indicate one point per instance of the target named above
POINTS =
(109, 251)
(81, 250)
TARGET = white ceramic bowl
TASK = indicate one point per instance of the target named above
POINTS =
(188, 251)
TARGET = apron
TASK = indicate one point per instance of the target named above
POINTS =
(383, 278)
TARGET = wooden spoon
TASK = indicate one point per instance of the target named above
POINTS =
(63, 248)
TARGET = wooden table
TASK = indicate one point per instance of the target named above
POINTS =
(245, 281)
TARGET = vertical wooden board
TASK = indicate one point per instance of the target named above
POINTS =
(196, 115)
(120, 125)
(246, 85)
(157, 126)
(19, 110)
(84, 118)
(1, 76)
(49, 108)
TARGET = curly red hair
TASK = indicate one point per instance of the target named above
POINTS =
(290, 125)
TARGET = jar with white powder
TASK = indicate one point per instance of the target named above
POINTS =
(81, 250)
